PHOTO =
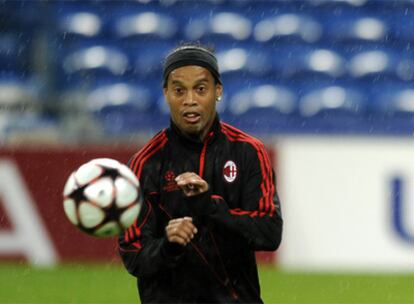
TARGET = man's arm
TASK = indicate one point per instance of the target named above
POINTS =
(260, 226)
(145, 249)
(141, 247)
(148, 245)
(258, 220)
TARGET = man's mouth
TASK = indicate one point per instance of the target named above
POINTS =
(192, 117)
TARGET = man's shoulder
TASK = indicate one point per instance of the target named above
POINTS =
(150, 149)
(234, 134)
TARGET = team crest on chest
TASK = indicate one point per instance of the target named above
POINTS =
(230, 171)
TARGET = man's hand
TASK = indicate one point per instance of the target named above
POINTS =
(180, 230)
(191, 183)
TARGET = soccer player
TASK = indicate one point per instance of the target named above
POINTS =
(210, 197)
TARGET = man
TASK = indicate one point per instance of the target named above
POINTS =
(210, 198)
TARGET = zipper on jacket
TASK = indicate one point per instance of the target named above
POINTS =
(203, 155)
(226, 283)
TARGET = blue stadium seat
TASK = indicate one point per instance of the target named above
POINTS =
(393, 98)
(145, 34)
(145, 24)
(288, 28)
(22, 103)
(218, 26)
(401, 23)
(338, 4)
(308, 61)
(77, 22)
(336, 99)
(18, 92)
(23, 16)
(86, 23)
(392, 108)
(14, 52)
(233, 83)
(374, 63)
(242, 58)
(337, 107)
(121, 107)
(354, 27)
(29, 128)
(405, 66)
(262, 108)
(121, 96)
(95, 61)
(273, 98)
(146, 56)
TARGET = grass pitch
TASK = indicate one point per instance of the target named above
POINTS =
(112, 284)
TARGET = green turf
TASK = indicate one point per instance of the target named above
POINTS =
(67, 284)
(111, 284)
(281, 287)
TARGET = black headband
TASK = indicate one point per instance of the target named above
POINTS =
(191, 55)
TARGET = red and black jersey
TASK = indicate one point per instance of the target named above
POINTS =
(239, 215)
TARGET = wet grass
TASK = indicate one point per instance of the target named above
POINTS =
(67, 284)
(283, 287)
(112, 284)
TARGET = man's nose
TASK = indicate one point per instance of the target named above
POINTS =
(189, 99)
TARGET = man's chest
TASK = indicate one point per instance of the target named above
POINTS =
(221, 168)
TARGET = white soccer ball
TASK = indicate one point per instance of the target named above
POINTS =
(102, 197)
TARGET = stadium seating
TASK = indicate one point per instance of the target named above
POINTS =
(97, 57)
(355, 27)
(78, 22)
(341, 65)
(288, 28)
(17, 92)
(23, 109)
(145, 57)
(337, 107)
(220, 26)
(308, 61)
(236, 59)
(14, 54)
(401, 23)
(145, 24)
(373, 63)
(121, 106)
(269, 105)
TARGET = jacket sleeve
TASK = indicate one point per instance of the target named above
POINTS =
(143, 247)
(257, 218)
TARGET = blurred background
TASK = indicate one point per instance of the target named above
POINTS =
(326, 84)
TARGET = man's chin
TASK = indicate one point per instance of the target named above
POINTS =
(192, 129)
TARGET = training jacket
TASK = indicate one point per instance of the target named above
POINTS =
(238, 215)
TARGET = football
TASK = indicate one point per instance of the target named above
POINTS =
(102, 197)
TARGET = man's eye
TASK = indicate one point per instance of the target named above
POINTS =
(201, 89)
(178, 90)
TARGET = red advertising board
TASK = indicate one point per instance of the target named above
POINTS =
(38, 230)
(44, 172)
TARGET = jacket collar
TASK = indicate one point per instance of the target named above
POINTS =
(194, 141)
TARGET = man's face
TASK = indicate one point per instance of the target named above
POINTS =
(191, 93)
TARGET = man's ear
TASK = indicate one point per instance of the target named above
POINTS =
(219, 91)
(165, 91)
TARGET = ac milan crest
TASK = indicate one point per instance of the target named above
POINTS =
(230, 171)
